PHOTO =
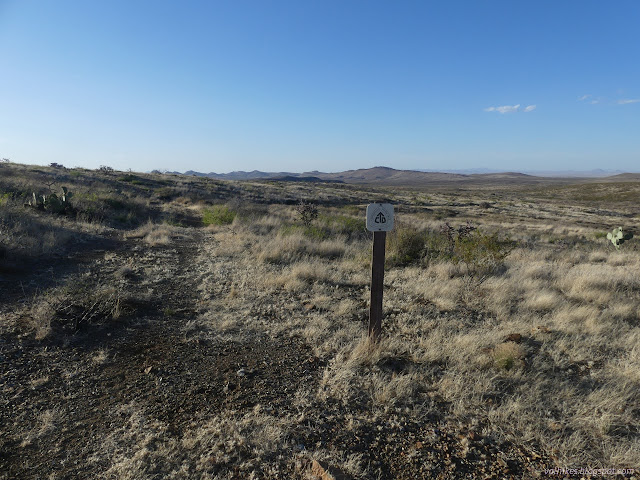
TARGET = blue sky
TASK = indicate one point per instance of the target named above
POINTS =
(327, 85)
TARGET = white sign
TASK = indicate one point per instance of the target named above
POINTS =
(379, 217)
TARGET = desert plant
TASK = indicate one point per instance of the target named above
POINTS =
(52, 202)
(454, 235)
(616, 237)
(508, 355)
(4, 198)
(406, 245)
(482, 253)
(218, 215)
(105, 169)
(307, 212)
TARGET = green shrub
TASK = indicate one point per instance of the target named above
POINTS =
(4, 198)
(405, 245)
(218, 215)
(437, 247)
(509, 355)
(482, 253)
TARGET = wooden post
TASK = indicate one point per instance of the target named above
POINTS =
(377, 279)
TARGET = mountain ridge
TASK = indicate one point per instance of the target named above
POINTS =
(383, 175)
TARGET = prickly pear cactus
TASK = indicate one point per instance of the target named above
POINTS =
(37, 201)
(54, 204)
(616, 237)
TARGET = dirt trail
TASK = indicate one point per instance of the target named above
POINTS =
(122, 399)
(62, 397)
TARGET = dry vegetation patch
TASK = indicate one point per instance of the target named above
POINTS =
(239, 350)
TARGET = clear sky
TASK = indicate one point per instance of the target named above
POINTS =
(321, 84)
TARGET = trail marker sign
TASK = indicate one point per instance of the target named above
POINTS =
(379, 217)
(379, 221)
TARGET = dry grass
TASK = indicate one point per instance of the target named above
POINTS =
(153, 234)
(142, 449)
(46, 422)
(294, 247)
(544, 350)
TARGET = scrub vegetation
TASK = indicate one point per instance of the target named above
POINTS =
(168, 326)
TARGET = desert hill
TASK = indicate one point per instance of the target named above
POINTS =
(381, 175)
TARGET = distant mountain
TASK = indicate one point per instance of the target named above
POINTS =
(595, 173)
(389, 176)
(598, 172)
(624, 177)
(240, 175)
(310, 179)
(465, 171)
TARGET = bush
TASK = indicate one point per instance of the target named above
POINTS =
(218, 215)
(166, 194)
(482, 253)
(508, 355)
(308, 212)
(4, 198)
(405, 245)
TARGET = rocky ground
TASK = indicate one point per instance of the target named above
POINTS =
(142, 396)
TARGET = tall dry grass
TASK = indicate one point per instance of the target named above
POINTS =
(544, 350)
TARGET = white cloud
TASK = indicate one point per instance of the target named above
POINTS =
(503, 109)
(530, 108)
(584, 97)
(627, 101)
